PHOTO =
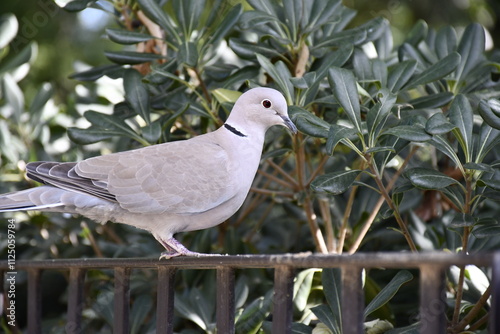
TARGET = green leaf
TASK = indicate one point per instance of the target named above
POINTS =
(254, 314)
(78, 5)
(136, 94)
(437, 124)
(27, 54)
(486, 231)
(90, 135)
(400, 74)
(336, 134)
(446, 41)
(417, 33)
(309, 123)
(362, 34)
(12, 96)
(432, 101)
(437, 71)
(490, 112)
(491, 183)
(488, 139)
(414, 132)
(331, 280)
(386, 294)
(461, 116)
(8, 29)
(188, 54)
(322, 11)
(182, 305)
(159, 16)
(293, 10)
(444, 146)
(152, 132)
(131, 57)
(345, 91)
(188, 14)
(377, 149)
(302, 288)
(126, 37)
(222, 29)
(335, 183)
(41, 98)
(280, 74)
(377, 116)
(111, 123)
(462, 220)
(248, 50)
(479, 166)
(426, 178)
(326, 316)
(96, 72)
(471, 49)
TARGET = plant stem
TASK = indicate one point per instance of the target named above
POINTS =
(465, 244)
(385, 194)
(300, 156)
(317, 235)
(324, 206)
(380, 202)
(473, 312)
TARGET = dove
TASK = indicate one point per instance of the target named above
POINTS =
(167, 188)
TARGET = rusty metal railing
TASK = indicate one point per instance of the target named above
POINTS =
(432, 268)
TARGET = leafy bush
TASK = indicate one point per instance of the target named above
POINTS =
(397, 150)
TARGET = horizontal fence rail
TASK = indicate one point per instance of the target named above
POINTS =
(432, 267)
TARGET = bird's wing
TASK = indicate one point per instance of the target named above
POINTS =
(62, 175)
(182, 177)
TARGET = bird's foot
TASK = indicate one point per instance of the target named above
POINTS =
(174, 248)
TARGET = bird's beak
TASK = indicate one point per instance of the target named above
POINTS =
(289, 124)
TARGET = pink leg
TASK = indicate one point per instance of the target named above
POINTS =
(174, 248)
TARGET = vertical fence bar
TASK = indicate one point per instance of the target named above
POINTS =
(352, 300)
(432, 300)
(494, 326)
(122, 300)
(165, 300)
(282, 300)
(75, 300)
(225, 300)
(34, 301)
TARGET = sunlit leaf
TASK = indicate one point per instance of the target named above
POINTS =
(8, 29)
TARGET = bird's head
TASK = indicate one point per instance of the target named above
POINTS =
(258, 109)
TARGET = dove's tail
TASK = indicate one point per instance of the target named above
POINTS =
(52, 199)
(44, 198)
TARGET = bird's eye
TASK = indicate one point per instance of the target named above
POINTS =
(266, 103)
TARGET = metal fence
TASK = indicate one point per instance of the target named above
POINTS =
(432, 267)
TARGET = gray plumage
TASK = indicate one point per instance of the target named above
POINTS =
(167, 188)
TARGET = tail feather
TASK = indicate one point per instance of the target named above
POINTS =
(39, 198)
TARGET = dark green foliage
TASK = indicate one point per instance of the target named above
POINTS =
(398, 150)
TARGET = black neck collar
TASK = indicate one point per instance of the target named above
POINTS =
(233, 130)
